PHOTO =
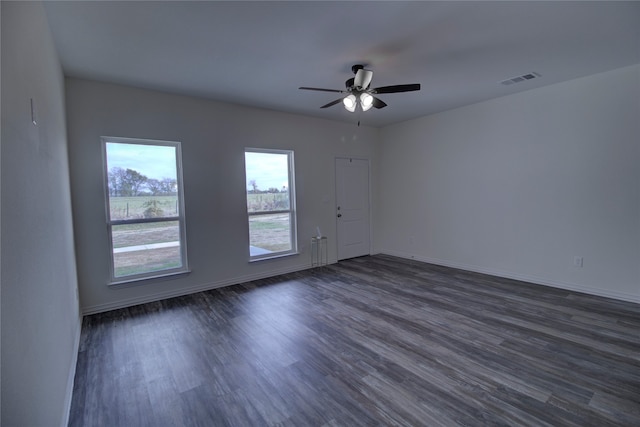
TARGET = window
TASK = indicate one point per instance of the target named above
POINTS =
(270, 203)
(145, 209)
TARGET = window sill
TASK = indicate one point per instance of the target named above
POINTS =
(272, 256)
(136, 280)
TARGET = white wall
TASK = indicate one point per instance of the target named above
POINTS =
(213, 137)
(40, 316)
(517, 186)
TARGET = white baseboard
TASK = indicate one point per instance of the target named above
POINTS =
(72, 375)
(190, 290)
(247, 278)
(515, 276)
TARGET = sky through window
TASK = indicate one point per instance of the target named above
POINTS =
(269, 170)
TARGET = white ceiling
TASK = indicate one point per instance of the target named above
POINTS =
(259, 53)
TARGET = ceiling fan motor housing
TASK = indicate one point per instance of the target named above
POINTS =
(357, 67)
(349, 83)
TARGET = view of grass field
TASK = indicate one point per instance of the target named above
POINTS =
(135, 207)
(269, 232)
(132, 253)
(145, 261)
(260, 202)
(127, 235)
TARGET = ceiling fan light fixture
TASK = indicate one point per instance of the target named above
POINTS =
(366, 101)
(350, 103)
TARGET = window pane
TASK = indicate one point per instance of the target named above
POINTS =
(265, 202)
(267, 181)
(142, 181)
(147, 247)
(269, 233)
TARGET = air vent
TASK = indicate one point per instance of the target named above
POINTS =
(519, 79)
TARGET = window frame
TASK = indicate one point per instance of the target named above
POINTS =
(293, 233)
(180, 217)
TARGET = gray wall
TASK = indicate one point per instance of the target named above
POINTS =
(40, 317)
(213, 137)
(520, 185)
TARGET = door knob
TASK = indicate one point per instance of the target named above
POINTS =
(339, 215)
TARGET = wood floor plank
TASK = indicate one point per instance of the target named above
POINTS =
(371, 341)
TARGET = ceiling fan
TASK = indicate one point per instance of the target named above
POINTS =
(359, 92)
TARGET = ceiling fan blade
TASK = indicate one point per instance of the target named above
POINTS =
(332, 103)
(397, 88)
(321, 89)
(378, 103)
(363, 78)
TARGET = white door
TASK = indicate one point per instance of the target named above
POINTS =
(352, 207)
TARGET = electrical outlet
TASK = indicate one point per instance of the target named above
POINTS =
(577, 261)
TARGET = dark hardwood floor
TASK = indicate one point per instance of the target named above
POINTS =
(369, 341)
